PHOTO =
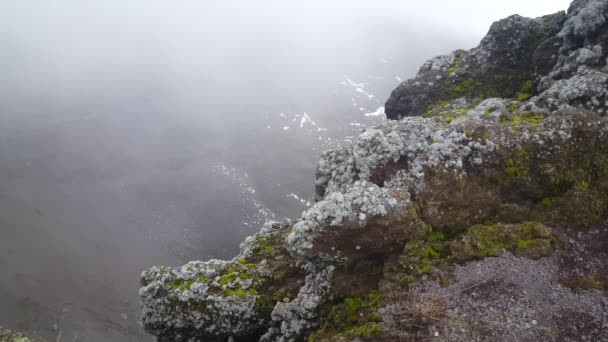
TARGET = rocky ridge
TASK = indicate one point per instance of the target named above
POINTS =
(558, 58)
(499, 157)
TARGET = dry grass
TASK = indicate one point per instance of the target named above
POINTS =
(414, 315)
(413, 310)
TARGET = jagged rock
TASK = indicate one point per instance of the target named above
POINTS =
(449, 174)
(519, 58)
(216, 299)
(474, 175)
(506, 59)
(584, 39)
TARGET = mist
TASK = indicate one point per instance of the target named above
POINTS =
(148, 133)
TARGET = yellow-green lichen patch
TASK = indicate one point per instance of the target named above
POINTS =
(419, 257)
(522, 119)
(529, 239)
(437, 108)
(269, 244)
(180, 284)
(12, 336)
(353, 317)
(527, 89)
(455, 68)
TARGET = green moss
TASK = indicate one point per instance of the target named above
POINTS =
(374, 299)
(526, 91)
(430, 252)
(408, 279)
(229, 277)
(262, 247)
(468, 134)
(512, 171)
(528, 118)
(530, 239)
(583, 185)
(432, 110)
(353, 317)
(435, 236)
(238, 292)
(179, 284)
(466, 87)
(353, 305)
(426, 267)
(455, 67)
(548, 202)
(419, 257)
(523, 244)
(12, 336)
(264, 305)
(367, 330)
(374, 317)
(516, 165)
(449, 119)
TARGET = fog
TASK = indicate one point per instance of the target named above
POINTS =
(140, 133)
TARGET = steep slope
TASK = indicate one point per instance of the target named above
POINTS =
(422, 210)
(559, 57)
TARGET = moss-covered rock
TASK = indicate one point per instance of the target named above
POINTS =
(503, 65)
(373, 223)
(354, 317)
(552, 60)
(221, 298)
(474, 176)
(529, 239)
(7, 335)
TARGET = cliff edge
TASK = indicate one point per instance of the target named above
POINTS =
(478, 213)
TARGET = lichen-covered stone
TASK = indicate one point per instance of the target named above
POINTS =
(448, 174)
(502, 65)
(364, 220)
(512, 140)
(221, 298)
(529, 239)
(7, 335)
(560, 57)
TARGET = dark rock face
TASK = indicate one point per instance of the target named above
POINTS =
(412, 199)
(518, 58)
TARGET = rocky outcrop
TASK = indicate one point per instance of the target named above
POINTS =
(412, 201)
(399, 183)
(560, 57)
